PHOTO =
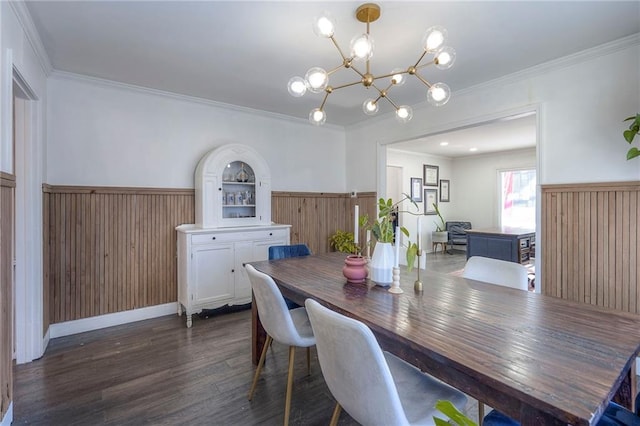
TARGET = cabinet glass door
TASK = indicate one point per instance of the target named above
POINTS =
(238, 191)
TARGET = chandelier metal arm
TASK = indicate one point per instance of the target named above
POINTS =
(335, 43)
(426, 83)
(339, 67)
(392, 103)
(391, 74)
(427, 64)
(357, 71)
(326, 95)
(346, 85)
(420, 59)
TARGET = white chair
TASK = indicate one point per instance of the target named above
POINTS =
(499, 272)
(374, 387)
(289, 327)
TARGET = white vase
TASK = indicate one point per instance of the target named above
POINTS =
(382, 263)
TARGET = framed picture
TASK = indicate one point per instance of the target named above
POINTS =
(416, 189)
(444, 190)
(430, 198)
(430, 175)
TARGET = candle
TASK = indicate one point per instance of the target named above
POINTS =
(368, 242)
(397, 246)
(419, 236)
(355, 225)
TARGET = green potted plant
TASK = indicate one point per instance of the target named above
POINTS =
(342, 241)
(634, 130)
(440, 235)
(383, 258)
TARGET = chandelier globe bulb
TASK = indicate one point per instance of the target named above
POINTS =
(370, 107)
(362, 47)
(434, 38)
(324, 25)
(398, 78)
(404, 113)
(297, 86)
(317, 117)
(438, 94)
(316, 79)
(445, 57)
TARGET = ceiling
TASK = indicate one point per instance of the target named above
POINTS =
(243, 53)
(509, 133)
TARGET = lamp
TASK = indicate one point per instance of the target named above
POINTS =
(316, 79)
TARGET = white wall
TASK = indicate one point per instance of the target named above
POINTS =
(411, 163)
(105, 134)
(582, 99)
(474, 188)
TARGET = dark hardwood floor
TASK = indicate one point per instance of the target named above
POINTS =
(161, 373)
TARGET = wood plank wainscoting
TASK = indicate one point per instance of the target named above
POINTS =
(7, 196)
(591, 243)
(109, 249)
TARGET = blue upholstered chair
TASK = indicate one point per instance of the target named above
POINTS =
(614, 415)
(282, 252)
(373, 386)
(294, 250)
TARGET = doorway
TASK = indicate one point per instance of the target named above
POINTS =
(28, 306)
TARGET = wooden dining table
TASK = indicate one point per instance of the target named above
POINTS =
(540, 359)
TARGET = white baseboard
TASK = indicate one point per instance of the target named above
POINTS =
(8, 417)
(102, 321)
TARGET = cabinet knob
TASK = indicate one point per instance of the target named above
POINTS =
(270, 234)
(219, 189)
(233, 270)
(244, 264)
(213, 238)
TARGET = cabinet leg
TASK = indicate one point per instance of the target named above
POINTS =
(179, 310)
(189, 321)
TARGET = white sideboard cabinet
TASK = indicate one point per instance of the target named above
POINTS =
(233, 226)
(211, 262)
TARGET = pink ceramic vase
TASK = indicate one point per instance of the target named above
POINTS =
(355, 269)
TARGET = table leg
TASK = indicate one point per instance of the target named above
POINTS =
(625, 395)
(258, 335)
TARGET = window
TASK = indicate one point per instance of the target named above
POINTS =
(518, 198)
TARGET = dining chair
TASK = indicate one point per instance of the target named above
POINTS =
(495, 271)
(499, 272)
(286, 251)
(614, 415)
(293, 250)
(374, 387)
(289, 327)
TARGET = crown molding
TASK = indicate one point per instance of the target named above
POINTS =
(534, 71)
(64, 75)
(557, 64)
(24, 17)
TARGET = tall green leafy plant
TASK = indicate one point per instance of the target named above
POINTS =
(382, 228)
(629, 135)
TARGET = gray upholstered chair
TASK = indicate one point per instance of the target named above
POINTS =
(374, 387)
(499, 272)
(289, 327)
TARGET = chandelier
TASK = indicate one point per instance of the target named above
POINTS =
(317, 79)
